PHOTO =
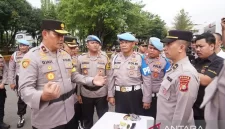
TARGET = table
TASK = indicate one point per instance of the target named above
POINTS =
(108, 120)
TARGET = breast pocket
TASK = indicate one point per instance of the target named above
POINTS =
(50, 73)
(69, 66)
(85, 68)
(101, 69)
(165, 89)
(133, 71)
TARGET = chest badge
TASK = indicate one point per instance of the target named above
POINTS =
(50, 76)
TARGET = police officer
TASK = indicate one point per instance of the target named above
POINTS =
(117, 50)
(129, 71)
(143, 46)
(208, 65)
(90, 64)
(13, 77)
(71, 46)
(47, 73)
(3, 79)
(180, 84)
(158, 66)
(214, 102)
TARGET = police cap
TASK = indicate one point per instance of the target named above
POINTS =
(178, 35)
(70, 41)
(56, 26)
(127, 37)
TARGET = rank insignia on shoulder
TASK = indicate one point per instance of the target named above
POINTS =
(184, 80)
(25, 63)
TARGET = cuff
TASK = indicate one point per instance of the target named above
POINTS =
(36, 100)
(89, 81)
(110, 94)
(147, 99)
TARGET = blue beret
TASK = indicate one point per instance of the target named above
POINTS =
(23, 41)
(93, 38)
(126, 36)
(156, 43)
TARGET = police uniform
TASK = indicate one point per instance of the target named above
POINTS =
(143, 44)
(39, 66)
(13, 78)
(210, 67)
(3, 79)
(93, 96)
(214, 102)
(125, 82)
(72, 43)
(178, 90)
(158, 68)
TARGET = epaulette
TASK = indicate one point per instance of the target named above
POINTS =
(35, 49)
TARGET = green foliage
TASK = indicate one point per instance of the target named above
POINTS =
(182, 21)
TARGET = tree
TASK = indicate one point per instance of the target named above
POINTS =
(182, 21)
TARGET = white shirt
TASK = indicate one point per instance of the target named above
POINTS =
(221, 54)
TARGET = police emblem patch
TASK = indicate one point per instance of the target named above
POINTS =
(184, 80)
(25, 63)
(50, 76)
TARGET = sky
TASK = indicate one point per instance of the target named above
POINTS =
(202, 12)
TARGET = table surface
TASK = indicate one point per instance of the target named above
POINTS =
(108, 120)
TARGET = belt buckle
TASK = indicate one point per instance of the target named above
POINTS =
(123, 89)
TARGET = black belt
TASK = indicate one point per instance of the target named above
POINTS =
(95, 88)
(63, 97)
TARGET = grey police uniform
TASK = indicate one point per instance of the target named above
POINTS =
(157, 67)
(3, 80)
(126, 79)
(214, 102)
(92, 96)
(40, 66)
(14, 66)
(177, 95)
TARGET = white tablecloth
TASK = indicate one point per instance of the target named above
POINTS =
(110, 118)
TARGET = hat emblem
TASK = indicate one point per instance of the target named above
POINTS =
(74, 41)
(62, 26)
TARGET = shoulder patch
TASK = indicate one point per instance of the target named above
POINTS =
(184, 80)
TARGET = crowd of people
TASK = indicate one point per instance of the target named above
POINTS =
(63, 87)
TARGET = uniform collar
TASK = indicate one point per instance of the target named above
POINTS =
(45, 50)
(98, 55)
(180, 62)
(212, 57)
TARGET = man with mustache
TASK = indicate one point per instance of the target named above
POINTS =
(89, 64)
(13, 77)
(128, 72)
(46, 80)
(208, 65)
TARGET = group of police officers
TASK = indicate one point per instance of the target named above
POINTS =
(63, 88)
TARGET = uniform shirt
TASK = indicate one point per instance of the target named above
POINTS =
(14, 65)
(38, 67)
(210, 67)
(214, 102)
(3, 70)
(177, 95)
(156, 66)
(126, 72)
(74, 60)
(91, 66)
(221, 54)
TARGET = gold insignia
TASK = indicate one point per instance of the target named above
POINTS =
(85, 66)
(74, 41)
(25, 63)
(73, 69)
(132, 67)
(69, 65)
(62, 26)
(108, 66)
(85, 71)
(155, 74)
(49, 67)
(50, 76)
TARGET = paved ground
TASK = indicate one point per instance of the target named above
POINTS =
(11, 111)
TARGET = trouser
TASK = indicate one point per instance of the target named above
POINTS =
(21, 105)
(2, 103)
(78, 115)
(153, 107)
(69, 125)
(88, 105)
(129, 102)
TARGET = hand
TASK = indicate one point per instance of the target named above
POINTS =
(223, 23)
(12, 86)
(2, 86)
(111, 100)
(51, 91)
(146, 105)
(79, 99)
(99, 80)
